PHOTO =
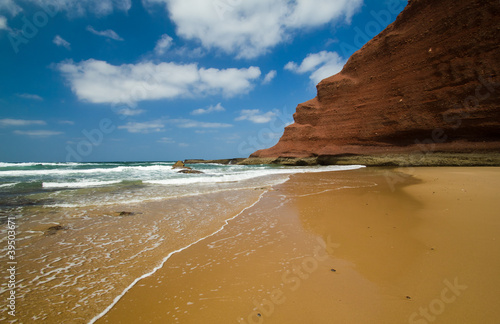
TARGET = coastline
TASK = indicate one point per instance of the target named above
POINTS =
(419, 158)
(415, 159)
(352, 246)
(83, 242)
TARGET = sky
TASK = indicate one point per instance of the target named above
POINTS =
(163, 80)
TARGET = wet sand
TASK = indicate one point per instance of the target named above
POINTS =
(373, 245)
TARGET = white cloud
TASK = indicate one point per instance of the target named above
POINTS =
(307, 13)
(59, 41)
(29, 96)
(100, 82)
(188, 123)
(144, 128)
(163, 44)
(211, 109)
(105, 33)
(38, 133)
(130, 112)
(10, 7)
(165, 140)
(251, 28)
(188, 52)
(256, 116)
(183, 145)
(321, 65)
(269, 77)
(20, 122)
(3, 23)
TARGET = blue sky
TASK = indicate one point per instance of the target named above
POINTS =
(158, 80)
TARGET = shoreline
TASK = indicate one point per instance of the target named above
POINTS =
(160, 265)
(422, 158)
(389, 255)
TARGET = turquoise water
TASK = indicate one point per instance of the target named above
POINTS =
(80, 184)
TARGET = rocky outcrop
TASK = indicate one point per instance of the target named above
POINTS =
(220, 161)
(179, 165)
(184, 169)
(52, 230)
(429, 83)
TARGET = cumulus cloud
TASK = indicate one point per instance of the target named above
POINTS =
(256, 116)
(100, 82)
(211, 109)
(320, 65)
(38, 133)
(20, 122)
(108, 33)
(251, 28)
(29, 96)
(163, 44)
(59, 41)
(145, 127)
(269, 77)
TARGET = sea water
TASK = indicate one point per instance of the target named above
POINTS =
(87, 232)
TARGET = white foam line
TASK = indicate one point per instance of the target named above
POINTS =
(115, 301)
(135, 201)
(8, 185)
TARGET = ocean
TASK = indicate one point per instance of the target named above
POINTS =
(87, 232)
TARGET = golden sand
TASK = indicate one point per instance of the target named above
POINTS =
(366, 246)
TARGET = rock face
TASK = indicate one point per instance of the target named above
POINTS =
(220, 161)
(428, 83)
(179, 165)
(184, 168)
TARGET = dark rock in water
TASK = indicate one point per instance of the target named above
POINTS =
(126, 213)
(185, 169)
(54, 229)
(190, 171)
(179, 165)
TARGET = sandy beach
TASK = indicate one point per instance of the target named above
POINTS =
(374, 245)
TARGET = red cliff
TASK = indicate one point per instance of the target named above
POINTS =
(428, 83)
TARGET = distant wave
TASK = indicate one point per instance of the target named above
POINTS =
(119, 169)
(6, 185)
(246, 175)
(79, 184)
